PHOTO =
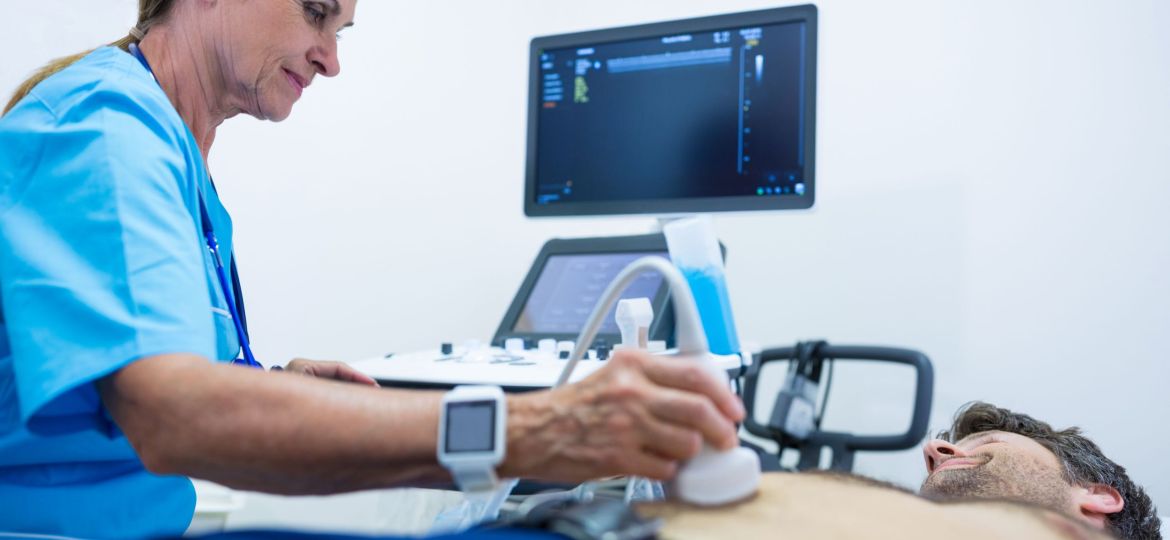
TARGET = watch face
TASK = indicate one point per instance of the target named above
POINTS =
(471, 426)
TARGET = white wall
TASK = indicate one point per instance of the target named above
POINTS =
(992, 178)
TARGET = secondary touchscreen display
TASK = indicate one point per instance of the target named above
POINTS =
(569, 287)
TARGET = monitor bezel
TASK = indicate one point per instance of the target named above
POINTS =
(806, 13)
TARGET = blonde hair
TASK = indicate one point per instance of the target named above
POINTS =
(150, 12)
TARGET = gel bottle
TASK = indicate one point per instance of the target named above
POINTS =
(694, 249)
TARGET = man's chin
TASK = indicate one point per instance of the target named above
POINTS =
(951, 484)
(935, 490)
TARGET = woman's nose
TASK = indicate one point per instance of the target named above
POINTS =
(324, 59)
(938, 451)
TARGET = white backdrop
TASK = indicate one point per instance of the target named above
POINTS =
(992, 181)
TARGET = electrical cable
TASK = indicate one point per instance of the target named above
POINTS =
(825, 398)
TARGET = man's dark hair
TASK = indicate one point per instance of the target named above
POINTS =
(1083, 461)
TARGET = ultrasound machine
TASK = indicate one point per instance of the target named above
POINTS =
(699, 116)
(713, 114)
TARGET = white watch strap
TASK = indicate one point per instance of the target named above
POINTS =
(475, 479)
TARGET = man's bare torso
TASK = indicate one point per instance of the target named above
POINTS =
(811, 505)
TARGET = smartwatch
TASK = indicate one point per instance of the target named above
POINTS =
(472, 435)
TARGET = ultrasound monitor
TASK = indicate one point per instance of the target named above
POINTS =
(709, 114)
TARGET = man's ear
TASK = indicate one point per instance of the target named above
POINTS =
(1097, 501)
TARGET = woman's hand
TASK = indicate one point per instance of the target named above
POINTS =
(639, 415)
(328, 369)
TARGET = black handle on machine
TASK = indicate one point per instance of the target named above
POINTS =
(923, 396)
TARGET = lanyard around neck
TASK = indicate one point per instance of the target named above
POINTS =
(231, 294)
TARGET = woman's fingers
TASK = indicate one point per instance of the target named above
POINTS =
(691, 376)
(693, 413)
(344, 372)
(671, 441)
(327, 369)
(649, 465)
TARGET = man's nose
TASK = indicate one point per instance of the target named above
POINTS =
(938, 451)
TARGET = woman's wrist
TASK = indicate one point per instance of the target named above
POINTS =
(531, 442)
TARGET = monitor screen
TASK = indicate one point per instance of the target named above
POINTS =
(569, 287)
(710, 114)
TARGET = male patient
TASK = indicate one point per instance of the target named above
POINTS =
(994, 453)
(994, 474)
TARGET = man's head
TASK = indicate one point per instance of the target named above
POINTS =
(994, 453)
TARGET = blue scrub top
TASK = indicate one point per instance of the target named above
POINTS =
(101, 263)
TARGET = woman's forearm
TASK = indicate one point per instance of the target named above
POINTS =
(273, 432)
(287, 433)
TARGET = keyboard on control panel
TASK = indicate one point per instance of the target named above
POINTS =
(515, 368)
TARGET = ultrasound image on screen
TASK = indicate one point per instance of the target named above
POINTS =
(569, 287)
(697, 115)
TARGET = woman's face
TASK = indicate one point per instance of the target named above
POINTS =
(272, 49)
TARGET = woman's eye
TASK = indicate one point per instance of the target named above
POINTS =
(315, 13)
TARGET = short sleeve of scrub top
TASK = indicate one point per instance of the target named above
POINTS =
(101, 264)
